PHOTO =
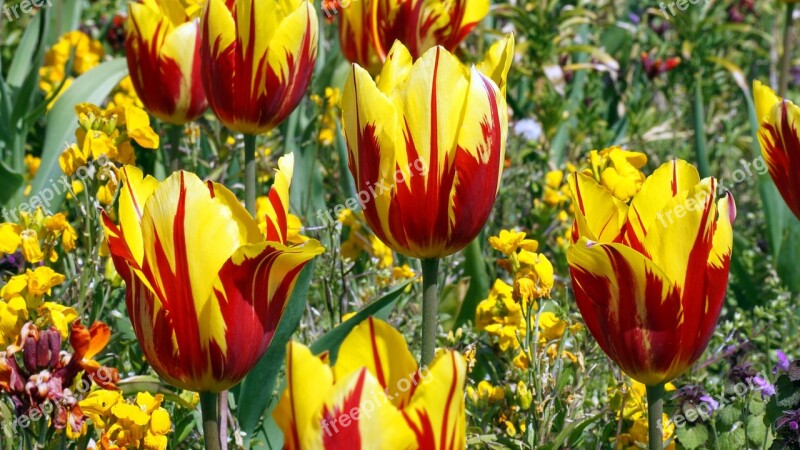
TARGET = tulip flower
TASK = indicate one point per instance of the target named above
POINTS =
(650, 277)
(368, 28)
(374, 396)
(205, 290)
(162, 48)
(779, 135)
(258, 57)
(426, 149)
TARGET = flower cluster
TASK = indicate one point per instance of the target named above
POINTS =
(104, 136)
(628, 399)
(85, 52)
(140, 423)
(34, 238)
(43, 380)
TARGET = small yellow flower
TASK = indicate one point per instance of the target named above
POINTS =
(618, 170)
(56, 223)
(71, 159)
(59, 316)
(42, 280)
(137, 123)
(349, 219)
(326, 136)
(507, 241)
(13, 314)
(32, 163)
(294, 228)
(381, 252)
(31, 249)
(68, 238)
(489, 393)
(551, 327)
(97, 406)
(501, 316)
(403, 272)
(10, 239)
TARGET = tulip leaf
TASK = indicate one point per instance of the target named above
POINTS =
(334, 338)
(10, 182)
(29, 46)
(256, 389)
(478, 283)
(93, 86)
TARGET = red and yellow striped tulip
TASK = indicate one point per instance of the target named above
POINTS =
(369, 28)
(205, 290)
(779, 135)
(374, 396)
(162, 48)
(650, 277)
(258, 57)
(426, 146)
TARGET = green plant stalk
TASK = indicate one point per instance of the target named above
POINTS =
(250, 173)
(786, 58)
(209, 406)
(655, 408)
(174, 137)
(478, 282)
(430, 275)
(699, 114)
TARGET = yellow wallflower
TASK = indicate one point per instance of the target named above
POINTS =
(10, 239)
(13, 314)
(555, 190)
(507, 241)
(42, 280)
(349, 219)
(31, 249)
(141, 424)
(486, 393)
(618, 170)
(56, 222)
(68, 238)
(57, 315)
(32, 164)
(537, 268)
(71, 159)
(637, 437)
(501, 316)
(403, 272)
(381, 252)
(550, 326)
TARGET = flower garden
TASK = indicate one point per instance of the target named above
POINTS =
(399, 224)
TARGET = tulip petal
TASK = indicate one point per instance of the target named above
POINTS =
(437, 412)
(765, 99)
(253, 289)
(497, 62)
(666, 182)
(299, 414)
(277, 218)
(599, 216)
(378, 347)
(630, 307)
(134, 194)
(354, 36)
(779, 135)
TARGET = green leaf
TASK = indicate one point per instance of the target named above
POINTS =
(692, 437)
(93, 86)
(10, 182)
(29, 45)
(573, 429)
(333, 339)
(257, 387)
(727, 417)
(756, 430)
(478, 282)
(734, 440)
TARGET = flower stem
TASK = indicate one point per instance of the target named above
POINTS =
(250, 173)
(699, 114)
(174, 136)
(430, 275)
(209, 406)
(655, 409)
(786, 58)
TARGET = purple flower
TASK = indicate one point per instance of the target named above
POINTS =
(707, 399)
(766, 388)
(783, 362)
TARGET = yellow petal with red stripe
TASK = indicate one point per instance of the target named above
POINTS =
(298, 414)
(382, 350)
(599, 216)
(437, 413)
(658, 189)
(277, 218)
(779, 136)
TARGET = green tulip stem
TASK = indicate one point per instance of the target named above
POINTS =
(209, 406)
(786, 58)
(655, 409)
(250, 173)
(430, 276)
(174, 138)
